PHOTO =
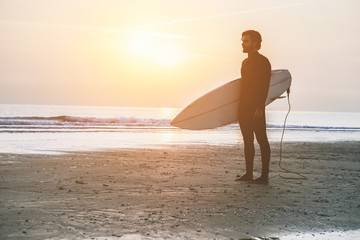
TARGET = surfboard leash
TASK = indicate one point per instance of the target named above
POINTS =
(301, 177)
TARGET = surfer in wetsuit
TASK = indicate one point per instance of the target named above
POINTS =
(255, 74)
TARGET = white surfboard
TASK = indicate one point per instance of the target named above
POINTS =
(219, 107)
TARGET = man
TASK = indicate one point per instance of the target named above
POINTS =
(255, 74)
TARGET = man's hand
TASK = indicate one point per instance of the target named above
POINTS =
(258, 114)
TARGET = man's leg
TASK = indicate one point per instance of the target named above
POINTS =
(246, 127)
(262, 139)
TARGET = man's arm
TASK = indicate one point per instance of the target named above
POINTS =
(263, 83)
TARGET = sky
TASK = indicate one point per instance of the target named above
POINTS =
(165, 53)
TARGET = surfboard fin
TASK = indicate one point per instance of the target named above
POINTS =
(273, 99)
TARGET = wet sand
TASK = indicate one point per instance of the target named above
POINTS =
(181, 192)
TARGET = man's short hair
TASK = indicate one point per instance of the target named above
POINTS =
(255, 37)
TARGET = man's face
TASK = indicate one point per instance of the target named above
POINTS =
(247, 44)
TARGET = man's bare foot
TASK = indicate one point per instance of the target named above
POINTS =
(244, 178)
(261, 180)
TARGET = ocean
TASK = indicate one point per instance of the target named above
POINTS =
(48, 129)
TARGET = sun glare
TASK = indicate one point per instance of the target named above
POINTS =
(169, 55)
(168, 112)
(156, 50)
(167, 137)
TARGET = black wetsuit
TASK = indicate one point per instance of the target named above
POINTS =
(255, 74)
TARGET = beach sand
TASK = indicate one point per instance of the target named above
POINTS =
(181, 192)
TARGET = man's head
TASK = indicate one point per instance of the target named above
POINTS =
(251, 41)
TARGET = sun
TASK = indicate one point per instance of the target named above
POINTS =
(154, 49)
(169, 56)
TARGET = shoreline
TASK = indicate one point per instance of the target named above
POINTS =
(179, 191)
(159, 146)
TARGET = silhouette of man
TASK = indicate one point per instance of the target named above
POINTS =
(255, 74)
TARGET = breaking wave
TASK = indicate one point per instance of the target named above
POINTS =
(75, 123)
